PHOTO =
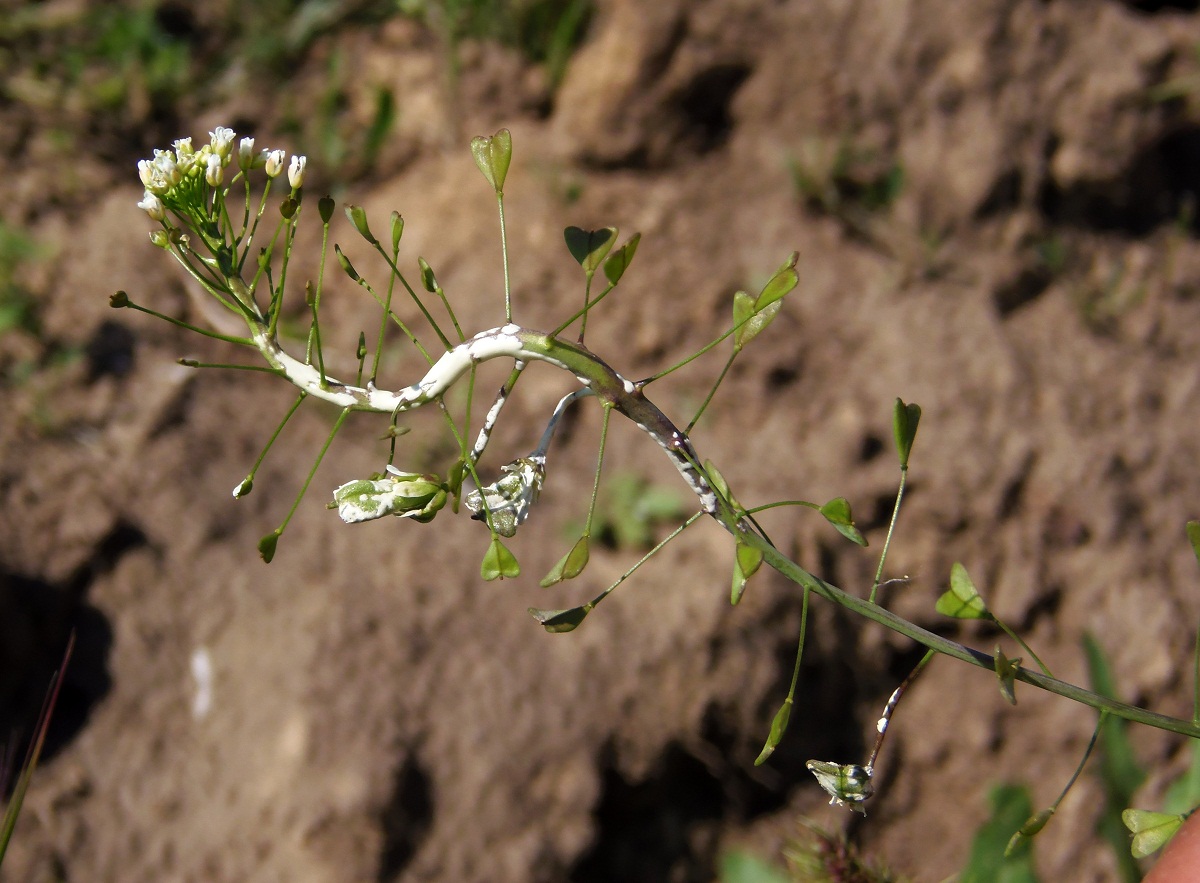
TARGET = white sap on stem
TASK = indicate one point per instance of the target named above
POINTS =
(507, 341)
(493, 343)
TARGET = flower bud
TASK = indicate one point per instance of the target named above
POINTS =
(146, 173)
(166, 170)
(222, 141)
(186, 157)
(397, 230)
(273, 160)
(296, 171)
(153, 206)
(214, 171)
(246, 155)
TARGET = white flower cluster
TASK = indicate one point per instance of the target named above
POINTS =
(172, 175)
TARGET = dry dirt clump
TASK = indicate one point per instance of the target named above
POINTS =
(994, 207)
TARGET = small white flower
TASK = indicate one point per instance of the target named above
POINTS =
(147, 173)
(153, 206)
(212, 174)
(167, 171)
(186, 156)
(222, 141)
(296, 171)
(246, 155)
(274, 162)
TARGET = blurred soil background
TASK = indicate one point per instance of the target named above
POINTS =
(995, 209)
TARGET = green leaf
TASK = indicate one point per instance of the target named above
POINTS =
(1119, 768)
(852, 533)
(837, 513)
(570, 565)
(498, 562)
(988, 861)
(493, 155)
(1184, 792)
(266, 546)
(904, 427)
(619, 261)
(962, 600)
(631, 509)
(1193, 528)
(779, 725)
(1150, 830)
(1006, 671)
(781, 283)
(740, 866)
(1120, 774)
(559, 621)
(589, 247)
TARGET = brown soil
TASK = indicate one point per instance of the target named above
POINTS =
(381, 714)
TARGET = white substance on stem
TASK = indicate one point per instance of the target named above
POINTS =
(498, 342)
(505, 341)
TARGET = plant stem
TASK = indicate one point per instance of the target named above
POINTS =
(628, 398)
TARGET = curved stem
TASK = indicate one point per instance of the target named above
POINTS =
(886, 618)
(626, 397)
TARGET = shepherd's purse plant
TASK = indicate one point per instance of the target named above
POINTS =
(228, 212)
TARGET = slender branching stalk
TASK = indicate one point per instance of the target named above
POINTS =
(186, 197)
